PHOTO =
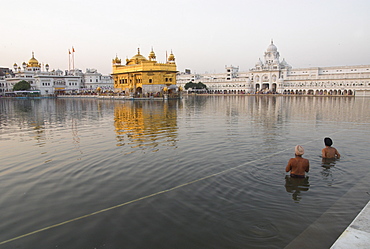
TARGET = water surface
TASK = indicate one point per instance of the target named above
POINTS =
(201, 172)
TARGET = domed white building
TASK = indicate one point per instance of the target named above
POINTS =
(274, 76)
(43, 80)
(50, 82)
(266, 75)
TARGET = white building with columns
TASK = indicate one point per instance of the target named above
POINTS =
(271, 75)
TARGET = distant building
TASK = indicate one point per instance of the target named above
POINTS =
(274, 76)
(141, 75)
(51, 82)
(94, 80)
(4, 86)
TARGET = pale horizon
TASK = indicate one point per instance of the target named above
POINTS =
(203, 37)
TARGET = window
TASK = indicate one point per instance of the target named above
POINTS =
(150, 81)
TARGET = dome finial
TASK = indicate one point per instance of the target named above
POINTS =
(138, 50)
(272, 41)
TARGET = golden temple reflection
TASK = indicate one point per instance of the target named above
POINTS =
(146, 124)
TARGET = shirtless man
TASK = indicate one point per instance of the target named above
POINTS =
(298, 165)
(328, 151)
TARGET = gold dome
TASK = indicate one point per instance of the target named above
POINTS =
(138, 56)
(136, 59)
(33, 62)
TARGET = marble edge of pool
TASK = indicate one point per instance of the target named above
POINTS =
(326, 231)
(357, 234)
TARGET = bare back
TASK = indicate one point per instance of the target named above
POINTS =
(330, 152)
(298, 166)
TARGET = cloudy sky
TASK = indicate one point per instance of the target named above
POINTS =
(204, 36)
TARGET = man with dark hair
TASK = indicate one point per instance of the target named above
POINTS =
(328, 151)
(298, 165)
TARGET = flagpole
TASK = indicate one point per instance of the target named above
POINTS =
(69, 61)
(73, 58)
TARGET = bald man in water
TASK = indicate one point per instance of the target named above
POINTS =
(298, 166)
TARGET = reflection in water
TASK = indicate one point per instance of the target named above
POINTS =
(146, 123)
(327, 164)
(296, 186)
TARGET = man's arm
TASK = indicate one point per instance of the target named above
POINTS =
(308, 166)
(323, 152)
(337, 153)
(289, 166)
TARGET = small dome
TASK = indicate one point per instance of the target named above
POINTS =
(284, 63)
(116, 60)
(171, 57)
(152, 55)
(259, 62)
(272, 47)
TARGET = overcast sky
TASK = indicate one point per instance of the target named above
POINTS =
(204, 36)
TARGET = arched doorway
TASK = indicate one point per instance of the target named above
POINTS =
(257, 87)
(273, 89)
(265, 86)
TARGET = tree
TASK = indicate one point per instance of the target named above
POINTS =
(193, 85)
(22, 86)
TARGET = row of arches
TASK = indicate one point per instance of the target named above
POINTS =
(227, 92)
(319, 92)
(265, 87)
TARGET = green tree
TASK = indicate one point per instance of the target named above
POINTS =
(22, 86)
(193, 85)
(200, 85)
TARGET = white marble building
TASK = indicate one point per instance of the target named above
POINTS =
(4, 86)
(54, 81)
(274, 76)
(94, 80)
